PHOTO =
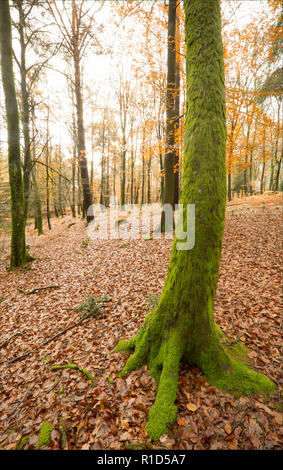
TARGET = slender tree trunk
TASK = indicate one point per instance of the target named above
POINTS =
(73, 206)
(181, 327)
(114, 173)
(87, 196)
(263, 165)
(102, 182)
(271, 173)
(246, 161)
(229, 187)
(170, 115)
(132, 166)
(177, 112)
(161, 175)
(47, 171)
(277, 179)
(38, 211)
(27, 167)
(148, 174)
(143, 166)
(60, 195)
(276, 185)
(18, 245)
(123, 172)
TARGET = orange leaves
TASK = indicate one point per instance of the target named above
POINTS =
(191, 407)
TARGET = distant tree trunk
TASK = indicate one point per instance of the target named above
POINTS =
(38, 209)
(143, 167)
(181, 327)
(87, 195)
(19, 254)
(246, 161)
(114, 173)
(229, 187)
(60, 196)
(37, 204)
(123, 172)
(132, 166)
(73, 205)
(102, 181)
(92, 157)
(161, 175)
(79, 188)
(177, 112)
(25, 108)
(107, 186)
(170, 115)
(278, 161)
(263, 165)
(47, 171)
(277, 179)
(149, 174)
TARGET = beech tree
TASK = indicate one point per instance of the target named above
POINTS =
(181, 327)
(19, 254)
(170, 156)
(77, 35)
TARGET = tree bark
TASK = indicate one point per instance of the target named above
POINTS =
(170, 115)
(87, 195)
(177, 112)
(19, 254)
(27, 167)
(181, 327)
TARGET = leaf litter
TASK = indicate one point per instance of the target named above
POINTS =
(110, 412)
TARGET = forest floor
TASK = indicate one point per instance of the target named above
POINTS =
(111, 412)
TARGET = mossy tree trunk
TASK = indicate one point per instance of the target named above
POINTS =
(181, 327)
(19, 254)
(27, 167)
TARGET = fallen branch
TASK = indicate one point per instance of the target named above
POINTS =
(76, 367)
(37, 289)
(53, 386)
(9, 339)
(50, 339)
(56, 336)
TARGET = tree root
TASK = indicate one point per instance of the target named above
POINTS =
(76, 367)
(163, 359)
(162, 348)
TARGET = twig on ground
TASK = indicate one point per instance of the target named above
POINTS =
(9, 339)
(56, 336)
(37, 289)
(76, 367)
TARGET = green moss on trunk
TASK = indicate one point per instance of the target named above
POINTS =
(181, 327)
(19, 254)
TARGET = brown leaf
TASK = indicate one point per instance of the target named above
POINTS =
(191, 407)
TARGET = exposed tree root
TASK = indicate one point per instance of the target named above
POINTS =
(223, 367)
(88, 375)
